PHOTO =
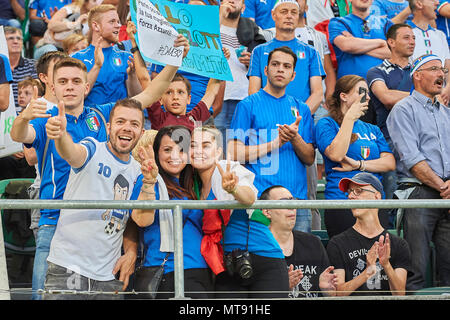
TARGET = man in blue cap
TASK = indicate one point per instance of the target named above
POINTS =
(419, 129)
(366, 258)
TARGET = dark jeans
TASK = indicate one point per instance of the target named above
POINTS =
(60, 278)
(270, 278)
(420, 227)
(197, 284)
(339, 220)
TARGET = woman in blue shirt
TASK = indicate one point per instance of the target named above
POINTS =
(349, 146)
(166, 177)
(244, 233)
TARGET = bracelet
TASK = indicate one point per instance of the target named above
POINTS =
(147, 181)
(360, 163)
(234, 191)
(133, 50)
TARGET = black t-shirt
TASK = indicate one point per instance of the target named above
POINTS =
(310, 256)
(348, 251)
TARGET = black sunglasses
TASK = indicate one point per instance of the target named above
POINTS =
(365, 26)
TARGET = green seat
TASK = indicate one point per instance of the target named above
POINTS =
(323, 235)
(433, 291)
(10, 244)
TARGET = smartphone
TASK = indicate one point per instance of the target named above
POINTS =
(363, 90)
(239, 51)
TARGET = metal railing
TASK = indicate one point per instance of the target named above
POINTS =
(178, 205)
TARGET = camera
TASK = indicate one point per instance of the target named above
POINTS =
(238, 262)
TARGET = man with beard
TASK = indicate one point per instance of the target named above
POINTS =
(70, 85)
(272, 133)
(85, 247)
(418, 126)
(110, 77)
(240, 36)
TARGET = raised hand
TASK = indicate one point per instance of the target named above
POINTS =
(182, 41)
(229, 179)
(131, 31)
(98, 53)
(36, 108)
(357, 109)
(56, 126)
(371, 259)
(295, 276)
(131, 66)
(384, 250)
(328, 280)
(149, 168)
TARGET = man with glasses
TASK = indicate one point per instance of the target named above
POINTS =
(359, 39)
(21, 67)
(419, 129)
(366, 258)
(310, 273)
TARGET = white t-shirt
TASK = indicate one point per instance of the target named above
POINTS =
(318, 11)
(430, 41)
(89, 241)
(238, 88)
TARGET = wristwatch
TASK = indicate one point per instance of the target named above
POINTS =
(133, 50)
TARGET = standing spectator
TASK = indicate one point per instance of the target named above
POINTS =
(87, 243)
(12, 13)
(348, 146)
(442, 20)
(41, 11)
(68, 20)
(21, 67)
(273, 133)
(260, 11)
(396, 10)
(418, 126)
(428, 39)
(6, 79)
(109, 80)
(390, 82)
(354, 253)
(307, 84)
(310, 273)
(240, 35)
(359, 39)
(171, 178)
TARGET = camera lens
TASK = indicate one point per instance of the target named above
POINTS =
(246, 271)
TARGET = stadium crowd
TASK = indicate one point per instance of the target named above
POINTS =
(351, 92)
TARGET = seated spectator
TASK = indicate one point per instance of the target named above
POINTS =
(390, 82)
(71, 18)
(41, 11)
(12, 13)
(110, 77)
(417, 125)
(348, 146)
(428, 39)
(310, 273)
(21, 67)
(175, 100)
(395, 10)
(359, 39)
(74, 43)
(354, 253)
(6, 79)
(169, 176)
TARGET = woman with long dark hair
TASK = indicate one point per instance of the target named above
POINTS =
(349, 146)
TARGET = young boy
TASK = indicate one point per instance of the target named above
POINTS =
(175, 100)
(25, 89)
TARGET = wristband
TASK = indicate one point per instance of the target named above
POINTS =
(234, 191)
(360, 163)
(133, 50)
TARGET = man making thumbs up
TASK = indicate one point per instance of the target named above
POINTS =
(272, 133)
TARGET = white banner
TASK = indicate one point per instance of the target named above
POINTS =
(156, 36)
(7, 146)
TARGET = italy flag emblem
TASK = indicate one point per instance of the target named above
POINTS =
(365, 152)
(117, 61)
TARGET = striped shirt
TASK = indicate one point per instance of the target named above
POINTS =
(26, 68)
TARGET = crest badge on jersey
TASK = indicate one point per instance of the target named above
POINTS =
(365, 152)
(93, 123)
(295, 112)
(117, 61)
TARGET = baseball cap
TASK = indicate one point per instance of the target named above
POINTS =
(279, 2)
(361, 179)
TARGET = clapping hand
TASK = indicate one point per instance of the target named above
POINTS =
(289, 132)
(98, 53)
(295, 276)
(371, 259)
(328, 280)
(384, 250)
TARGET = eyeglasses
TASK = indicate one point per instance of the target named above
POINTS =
(434, 69)
(18, 38)
(365, 26)
(358, 191)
